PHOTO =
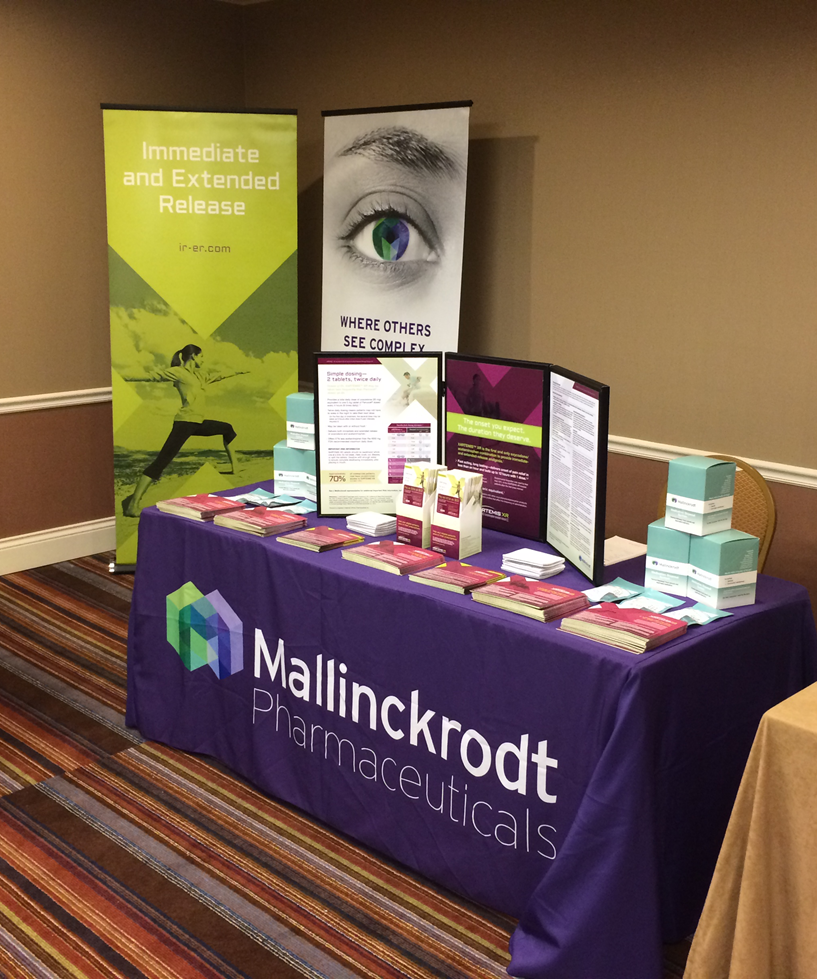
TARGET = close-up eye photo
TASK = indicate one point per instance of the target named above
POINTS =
(391, 236)
(394, 206)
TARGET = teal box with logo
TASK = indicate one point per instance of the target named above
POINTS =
(301, 420)
(723, 569)
(700, 494)
(295, 471)
(667, 565)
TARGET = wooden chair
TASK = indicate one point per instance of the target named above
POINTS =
(754, 510)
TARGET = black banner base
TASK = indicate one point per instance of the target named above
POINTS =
(118, 569)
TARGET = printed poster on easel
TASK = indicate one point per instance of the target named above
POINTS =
(372, 416)
(393, 222)
(202, 254)
(579, 411)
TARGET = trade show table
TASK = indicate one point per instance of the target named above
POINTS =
(579, 787)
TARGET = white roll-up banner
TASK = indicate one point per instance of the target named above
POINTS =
(393, 222)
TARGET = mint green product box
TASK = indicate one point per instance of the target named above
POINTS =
(723, 569)
(301, 420)
(295, 471)
(667, 566)
(700, 494)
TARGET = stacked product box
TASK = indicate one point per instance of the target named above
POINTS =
(693, 551)
(415, 503)
(700, 493)
(667, 567)
(295, 471)
(456, 519)
(301, 420)
(723, 569)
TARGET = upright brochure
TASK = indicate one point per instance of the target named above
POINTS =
(539, 600)
(199, 506)
(415, 503)
(260, 521)
(628, 629)
(456, 517)
(391, 556)
(456, 576)
(321, 538)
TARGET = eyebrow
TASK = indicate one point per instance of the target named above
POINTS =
(405, 147)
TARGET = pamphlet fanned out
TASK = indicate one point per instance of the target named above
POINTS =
(391, 556)
(456, 576)
(301, 507)
(264, 498)
(199, 506)
(261, 521)
(538, 600)
(321, 538)
(628, 629)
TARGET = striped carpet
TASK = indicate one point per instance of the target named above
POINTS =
(120, 857)
(124, 858)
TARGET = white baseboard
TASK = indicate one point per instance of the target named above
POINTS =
(56, 544)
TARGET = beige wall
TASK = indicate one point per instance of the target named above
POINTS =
(642, 204)
(58, 61)
(643, 188)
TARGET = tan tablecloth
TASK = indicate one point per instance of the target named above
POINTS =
(760, 917)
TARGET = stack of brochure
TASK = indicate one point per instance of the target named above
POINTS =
(391, 556)
(321, 538)
(635, 630)
(261, 521)
(532, 563)
(372, 524)
(456, 576)
(199, 506)
(530, 598)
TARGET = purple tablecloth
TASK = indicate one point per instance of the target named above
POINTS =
(579, 787)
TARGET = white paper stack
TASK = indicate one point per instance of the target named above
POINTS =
(532, 564)
(370, 523)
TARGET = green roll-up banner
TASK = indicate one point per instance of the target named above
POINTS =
(202, 249)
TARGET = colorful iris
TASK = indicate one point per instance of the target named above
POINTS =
(390, 238)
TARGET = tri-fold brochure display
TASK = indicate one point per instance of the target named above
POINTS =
(535, 433)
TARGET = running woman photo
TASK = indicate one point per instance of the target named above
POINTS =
(191, 381)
